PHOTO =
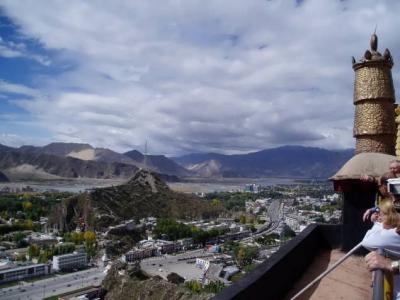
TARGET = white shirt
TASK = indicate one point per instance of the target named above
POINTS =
(388, 240)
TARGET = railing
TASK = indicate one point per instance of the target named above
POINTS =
(379, 287)
(378, 290)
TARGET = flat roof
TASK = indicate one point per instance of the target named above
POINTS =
(22, 268)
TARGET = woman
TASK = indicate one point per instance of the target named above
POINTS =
(385, 235)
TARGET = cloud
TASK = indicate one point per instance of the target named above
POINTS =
(19, 89)
(224, 76)
(11, 50)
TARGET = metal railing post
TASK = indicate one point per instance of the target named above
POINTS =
(377, 293)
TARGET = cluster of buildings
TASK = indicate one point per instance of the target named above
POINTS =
(23, 189)
(257, 206)
(150, 248)
(10, 271)
(252, 188)
(227, 225)
(132, 225)
(214, 271)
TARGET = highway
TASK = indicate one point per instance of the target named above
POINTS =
(58, 284)
(274, 213)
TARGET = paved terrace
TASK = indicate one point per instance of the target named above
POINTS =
(350, 280)
(300, 261)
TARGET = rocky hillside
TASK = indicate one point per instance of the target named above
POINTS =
(125, 282)
(287, 161)
(142, 196)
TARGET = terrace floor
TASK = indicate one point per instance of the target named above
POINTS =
(350, 280)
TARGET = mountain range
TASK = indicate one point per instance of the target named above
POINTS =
(73, 160)
(285, 161)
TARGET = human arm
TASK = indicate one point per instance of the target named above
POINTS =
(379, 238)
(372, 214)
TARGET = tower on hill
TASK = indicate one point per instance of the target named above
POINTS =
(374, 122)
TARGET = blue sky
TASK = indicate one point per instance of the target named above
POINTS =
(223, 76)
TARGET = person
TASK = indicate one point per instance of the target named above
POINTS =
(394, 172)
(372, 213)
(385, 235)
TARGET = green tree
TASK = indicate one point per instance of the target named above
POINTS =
(90, 243)
(27, 205)
(288, 232)
(33, 251)
(242, 219)
(215, 202)
(194, 286)
(214, 287)
(244, 255)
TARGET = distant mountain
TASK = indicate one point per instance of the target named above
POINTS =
(81, 160)
(208, 168)
(286, 161)
(80, 151)
(144, 195)
(158, 163)
(45, 166)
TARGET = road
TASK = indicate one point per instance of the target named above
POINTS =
(58, 284)
(274, 213)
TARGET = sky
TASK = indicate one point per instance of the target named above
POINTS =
(226, 76)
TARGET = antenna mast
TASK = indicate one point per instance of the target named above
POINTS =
(145, 155)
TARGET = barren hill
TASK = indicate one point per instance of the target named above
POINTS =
(142, 196)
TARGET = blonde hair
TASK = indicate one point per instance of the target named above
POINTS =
(386, 207)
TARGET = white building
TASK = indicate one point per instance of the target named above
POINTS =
(203, 264)
(76, 260)
(22, 272)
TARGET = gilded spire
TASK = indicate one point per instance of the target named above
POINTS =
(374, 124)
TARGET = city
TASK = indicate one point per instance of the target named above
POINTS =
(219, 250)
(198, 150)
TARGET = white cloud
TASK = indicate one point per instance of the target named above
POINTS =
(225, 76)
(11, 88)
(11, 49)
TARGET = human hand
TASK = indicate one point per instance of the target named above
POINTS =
(376, 261)
(367, 178)
(375, 217)
(366, 215)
